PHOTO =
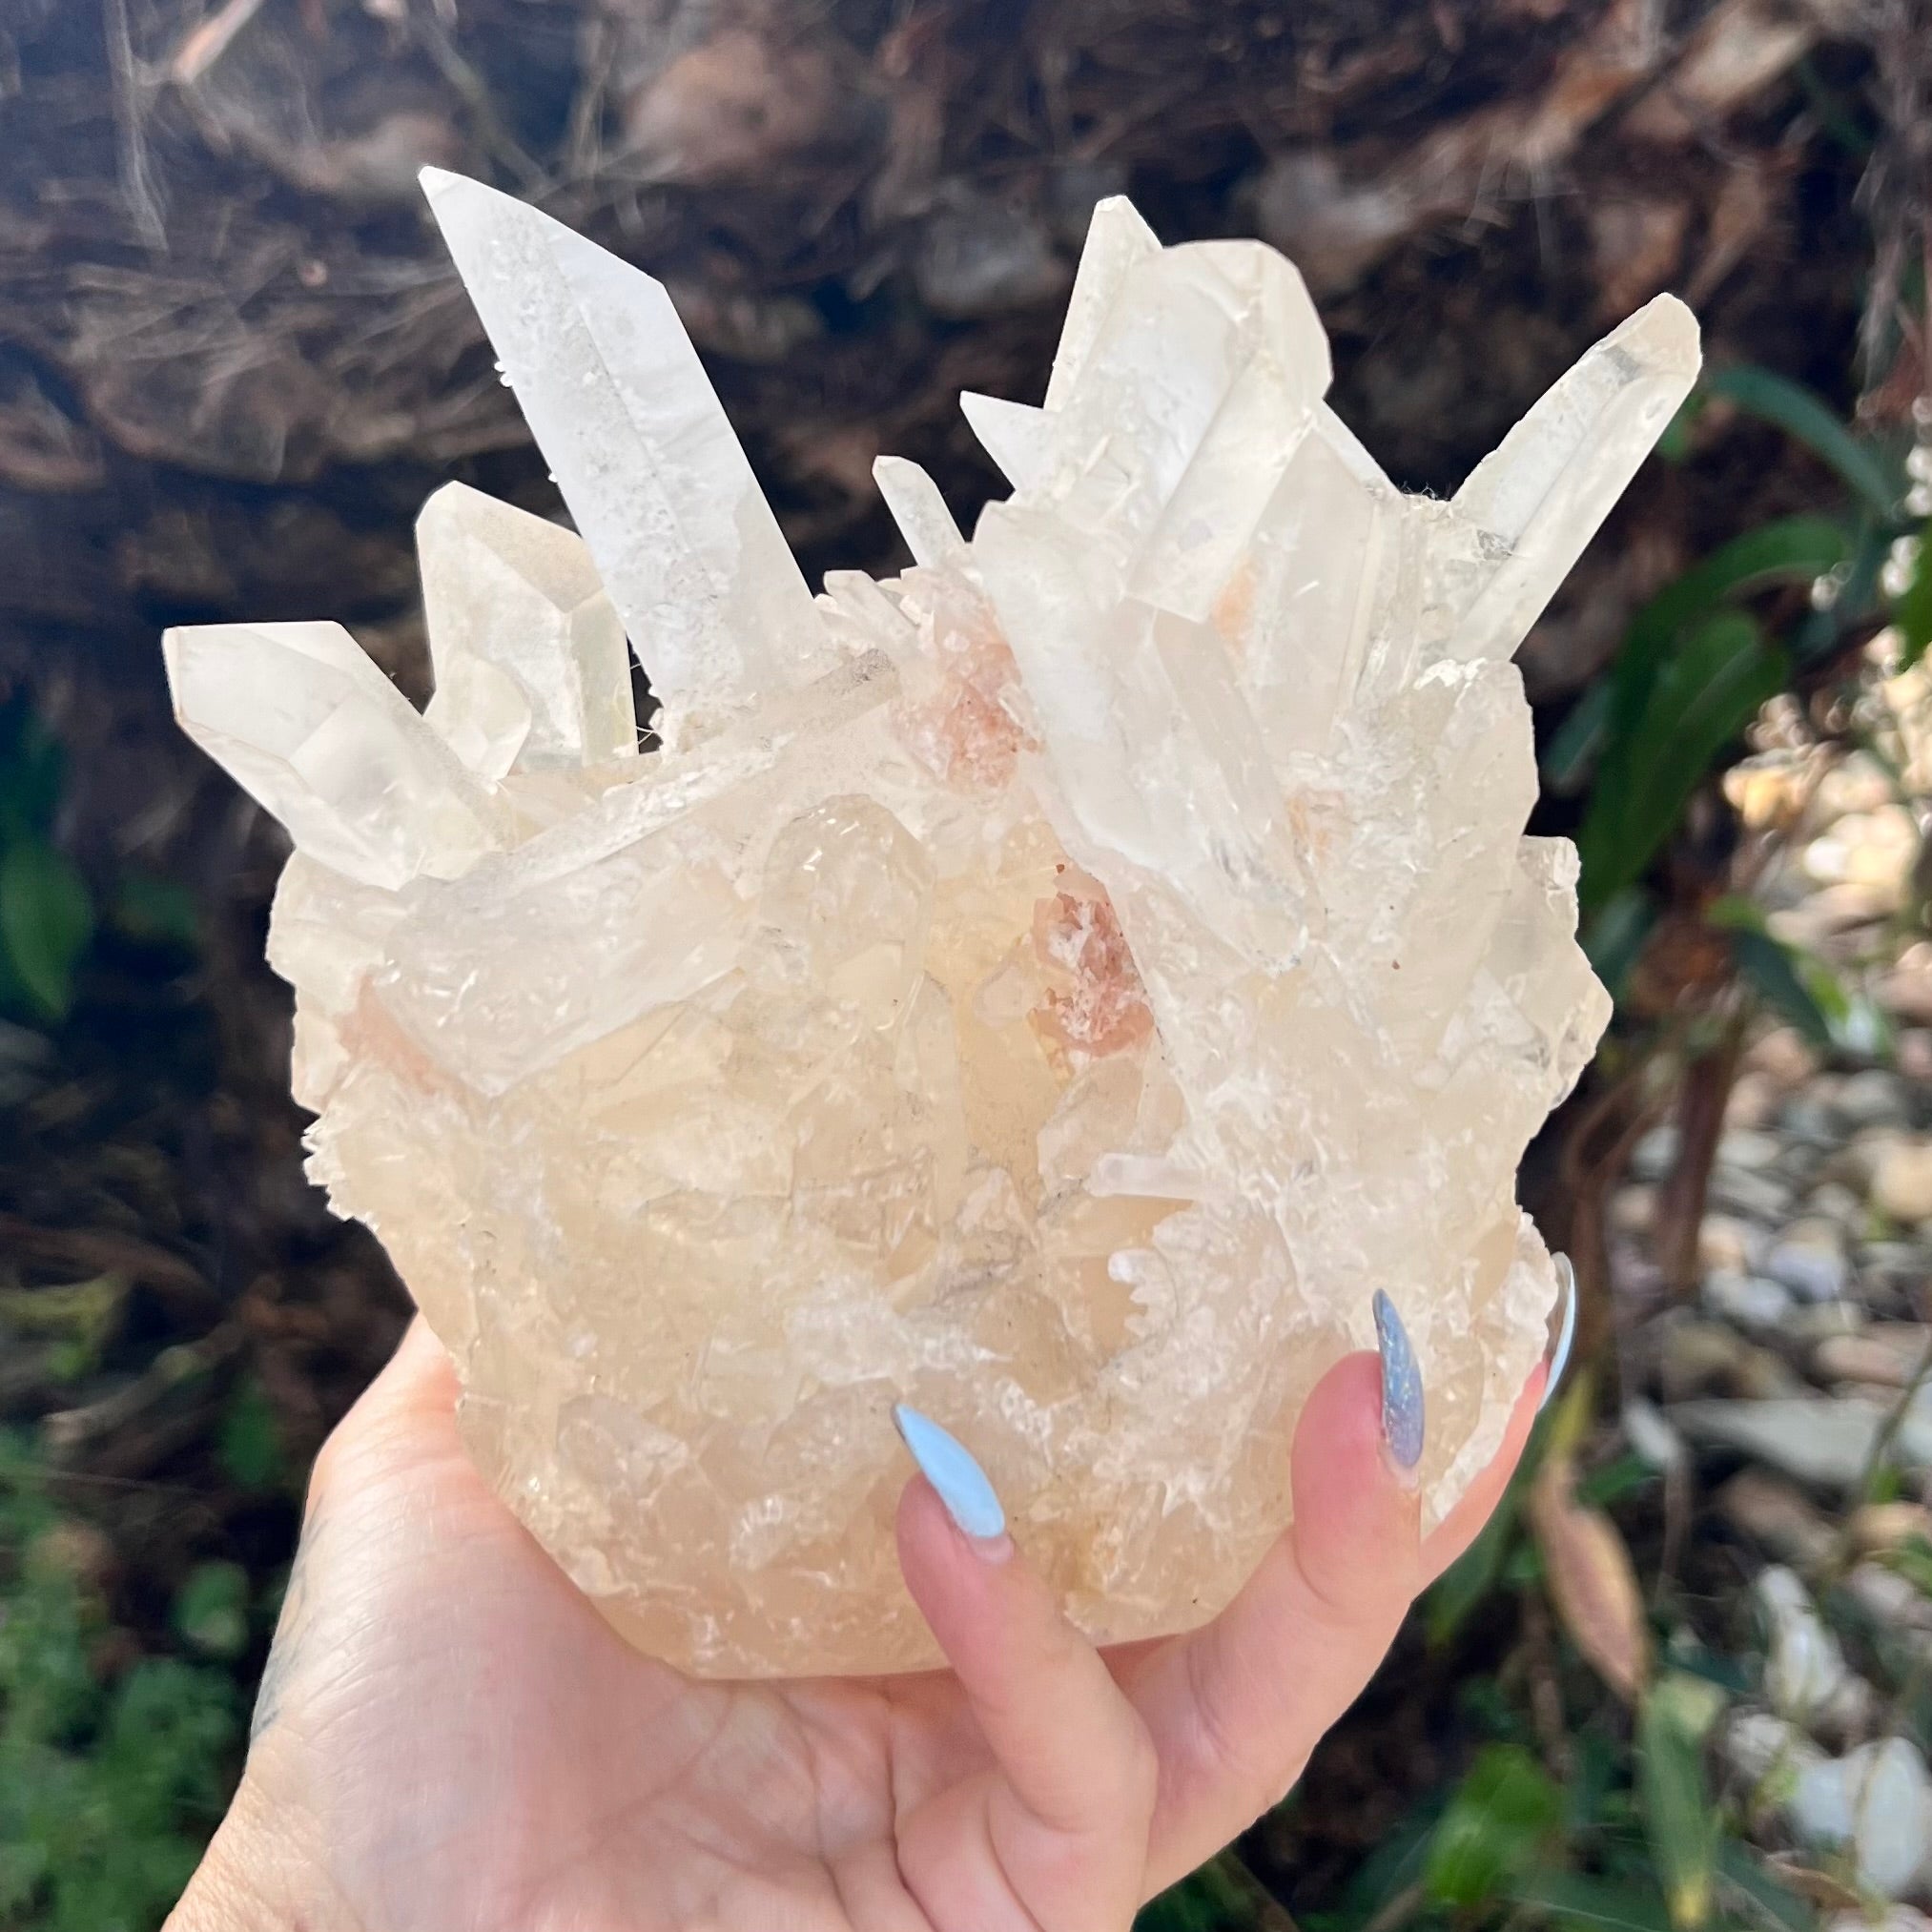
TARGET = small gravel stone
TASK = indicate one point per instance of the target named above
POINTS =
(1724, 1242)
(1655, 1155)
(1755, 1100)
(1751, 1301)
(1633, 1210)
(1874, 1802)
(1873, 1099)
(1804, 1669)
(1807, 1327)
(1901, 1183)
(1834, 1202)
(1699, 1358)
(1800, 1163)
(1755, 1744)
(1755, 1196)
(1651, 1438)
(1824, 1442)
(1878, 1527)
(1779, 1517)
(1895, 1264)
(1889, 1599)
(1745, 1148)
(1809, 1258)
(1858, 1161)
(1886, 1353)
(1808, 1120)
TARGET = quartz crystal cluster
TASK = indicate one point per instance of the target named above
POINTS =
(1055, 987)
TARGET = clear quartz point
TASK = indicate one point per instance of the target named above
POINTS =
(634, 434)
(313, 732)
(532, 664)
(1053, 989)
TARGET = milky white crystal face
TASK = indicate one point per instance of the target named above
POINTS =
(1054, 988)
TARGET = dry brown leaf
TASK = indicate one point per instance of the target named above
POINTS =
(1593, 1582)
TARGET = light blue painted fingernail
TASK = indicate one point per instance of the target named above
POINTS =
(948, 1465)
(1566, 1332)
(1402, 1403)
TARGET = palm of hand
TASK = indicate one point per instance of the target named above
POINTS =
(450, 1736)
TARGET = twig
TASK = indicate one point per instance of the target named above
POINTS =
(137, 185)
(471, 89)
(1269, 1914)
(1888, 1432)
(1397, 1911)
(1702, 1095)
(206, 44)
(176, 1281)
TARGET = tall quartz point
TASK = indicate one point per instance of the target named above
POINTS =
(1055, 987)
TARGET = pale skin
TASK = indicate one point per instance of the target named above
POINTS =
(450, 1739)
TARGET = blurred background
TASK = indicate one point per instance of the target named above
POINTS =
(1685, 1682)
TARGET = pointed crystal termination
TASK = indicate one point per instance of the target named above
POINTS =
(314, 734)
(1539, 496)
(1170, 457)
(512, 599)
(919, 510)
(1116, 240)
(1298, 607)
(633, 432)
(1279, 375)
(1013, 434)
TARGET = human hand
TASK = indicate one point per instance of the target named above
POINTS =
(449, 1736)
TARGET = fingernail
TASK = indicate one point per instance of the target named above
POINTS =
(1402, 1407)
(1565, 1330)
(948, 1465)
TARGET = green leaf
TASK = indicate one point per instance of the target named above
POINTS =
(1674, 444)
(1912, 612)
(85, 1311)
(1789, 550)
(1615, 1480)
(1769, 1898)
(79, 1318)
(1733, 913)
(1801, 413)
(1615, 937)
(1768, 968)
(159, 912)
(1576, 742)
(1576, 1900)
(1208, 1899)
(1703, 695)
(33, 770)
(1463, 1588)
(46, 921)
(211, 1609)
(1913, 1561)
(247, 1444)
(1495, 1828)
(1678, 1819)
(1808, 991)
(1395, 1865)
(1821, 631)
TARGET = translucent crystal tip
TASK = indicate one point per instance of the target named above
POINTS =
(1668, 332)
